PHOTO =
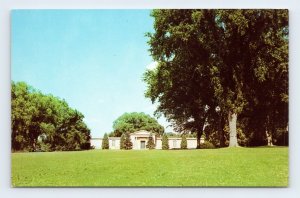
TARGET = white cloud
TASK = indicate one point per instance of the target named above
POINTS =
(152, 65)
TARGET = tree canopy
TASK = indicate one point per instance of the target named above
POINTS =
(236, 60)
(132, 122)
(45, 122)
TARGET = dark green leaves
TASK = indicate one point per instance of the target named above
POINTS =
(234, 59)
(44, 122)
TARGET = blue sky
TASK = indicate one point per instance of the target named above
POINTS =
(94, 59)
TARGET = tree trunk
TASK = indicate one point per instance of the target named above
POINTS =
(199, 134)
(269, 138)
(222, 139)
(232, 117)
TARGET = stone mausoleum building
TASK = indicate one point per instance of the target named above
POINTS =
(139, 141)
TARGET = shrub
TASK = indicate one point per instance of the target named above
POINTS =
(105, 142)
(207, 145)
(43, 147)
(122, 141)
(183, 144)
(150, 143)
(127, 142)
(165, 142)
(242, 139)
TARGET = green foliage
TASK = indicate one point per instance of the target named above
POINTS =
(132, 122)
(165, 142)
(281, 137)
(150, 143)
(105, 142)
(122, 141)
(194, 52)
(242, 138)
(127, 142)
(207, 145)
(43, 147)
(189, 135)
(183, 144)
(172, 134)
(44, 122)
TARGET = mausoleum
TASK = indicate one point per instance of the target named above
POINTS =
(140, 139)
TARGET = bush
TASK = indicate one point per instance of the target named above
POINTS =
(105, 142)
(86, 146)
(242, 139)
(150, 143)
(165, 142)
(127, 142)
(207, 145)
(183, 144)
(43, 147)
(122, 141)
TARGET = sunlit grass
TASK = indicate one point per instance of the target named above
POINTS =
(215, 167)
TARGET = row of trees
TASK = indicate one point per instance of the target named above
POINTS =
(217, 67)
(44, 122)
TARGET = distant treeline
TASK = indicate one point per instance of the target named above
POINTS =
(42, 122)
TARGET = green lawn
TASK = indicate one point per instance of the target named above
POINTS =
(214, 167)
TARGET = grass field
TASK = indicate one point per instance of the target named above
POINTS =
(214, 167)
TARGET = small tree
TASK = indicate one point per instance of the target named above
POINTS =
(105, 142)
(150, 143)
(183, 144)
(165, 142)
(127, 142)
(122, 141)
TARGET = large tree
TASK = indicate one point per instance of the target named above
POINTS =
(217, 58)
(132, 122)
(181, 81)
(40, 120)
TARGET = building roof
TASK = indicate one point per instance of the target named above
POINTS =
(178, 138)
(111, 138)
(141, 132)
(114, 138)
